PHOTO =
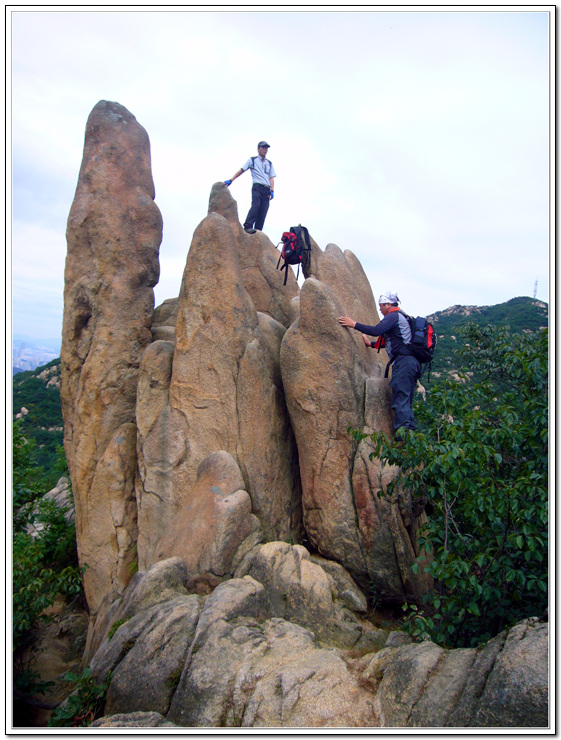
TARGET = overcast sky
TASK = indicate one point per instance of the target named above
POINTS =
(417, 139)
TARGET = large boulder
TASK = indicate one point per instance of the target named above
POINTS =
(209, 528)
(157, 638)
(164, 319)
(114, 232)
(229, 659)
(217, 388)
(225, 661)
(304, 591)
(503, 683)
(332, 387)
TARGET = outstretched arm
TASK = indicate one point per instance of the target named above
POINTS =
(373, 331)
(238, 173)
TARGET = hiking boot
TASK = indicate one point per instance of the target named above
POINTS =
(250, 231)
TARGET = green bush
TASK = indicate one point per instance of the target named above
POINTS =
(85, 703)
(28, 478)
(44, 565)
(480, 461)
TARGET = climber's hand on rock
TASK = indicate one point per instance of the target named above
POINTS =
(346, 321)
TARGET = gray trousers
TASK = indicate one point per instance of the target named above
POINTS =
(406, 370)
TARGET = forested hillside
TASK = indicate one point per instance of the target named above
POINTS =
(519, 314)
(36, 404)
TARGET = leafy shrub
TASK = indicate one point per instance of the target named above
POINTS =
(85, 704)
(28, 478)
(480, 460)
(45, 565)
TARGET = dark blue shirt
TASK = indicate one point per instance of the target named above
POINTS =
(396, 330)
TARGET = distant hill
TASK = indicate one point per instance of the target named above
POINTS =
(519, 314)
(36, 401)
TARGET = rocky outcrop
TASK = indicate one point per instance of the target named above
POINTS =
(501, 684)
(208, 442)
(217, 388)
(133, 719)
(241, 665)
(230, 660)
(239, 367)
(257, 259)
(208, 532)
(331, 385)
(302, 591)
(61, 497)
(113, 233)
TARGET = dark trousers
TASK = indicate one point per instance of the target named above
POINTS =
(259, 207)
(406, 370)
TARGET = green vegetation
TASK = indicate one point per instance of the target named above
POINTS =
(28, 478)
(38, 391)
(45, 563)
(520, 314)
(44, 567)
(480, 462)
(85, 703)
(115, 626)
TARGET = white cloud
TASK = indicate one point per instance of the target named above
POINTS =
(419, 140)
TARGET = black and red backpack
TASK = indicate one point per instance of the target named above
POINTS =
(422, 345)
(423, 339)
(296, 249)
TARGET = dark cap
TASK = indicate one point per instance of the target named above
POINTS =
(263, 143)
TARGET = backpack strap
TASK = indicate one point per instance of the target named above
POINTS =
(306, 236)
(392, 310)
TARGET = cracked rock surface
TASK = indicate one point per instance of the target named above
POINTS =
(238, 658)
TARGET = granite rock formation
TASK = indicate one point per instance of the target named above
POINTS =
(216, 389)
(235, 659)
(114, 232)
(231, 525)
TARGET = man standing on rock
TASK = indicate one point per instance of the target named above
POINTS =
(263, 190)
(394, 334)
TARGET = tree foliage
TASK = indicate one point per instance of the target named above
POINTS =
(480, 460)
(85, 703)
(34, 390)
(45, 563)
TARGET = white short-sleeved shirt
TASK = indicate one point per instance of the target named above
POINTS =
(261, 171)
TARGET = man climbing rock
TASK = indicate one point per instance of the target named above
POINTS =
(394, 334)
(263, 189)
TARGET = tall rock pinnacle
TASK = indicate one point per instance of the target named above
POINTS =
(114, 232)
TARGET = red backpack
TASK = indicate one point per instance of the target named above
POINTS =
(296, 249)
